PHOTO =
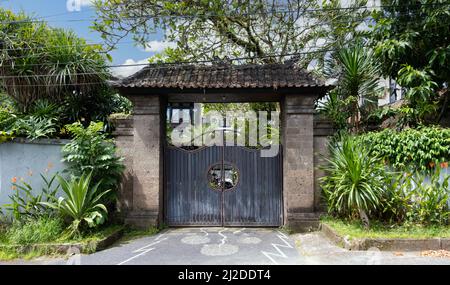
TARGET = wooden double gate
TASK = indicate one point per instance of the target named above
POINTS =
(222, 186)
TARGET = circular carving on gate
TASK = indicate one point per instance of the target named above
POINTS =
(224, 176)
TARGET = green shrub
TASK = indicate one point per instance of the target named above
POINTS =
(411, 148)
(40, 230)
(5, 136)
(34, 127)
(26, 204)
(414, 200)
(91, 151)
(81, 204)
(355, 181)
(7, 118)
(94, 107)
(44, 109)
(336, 109)
(65, 59)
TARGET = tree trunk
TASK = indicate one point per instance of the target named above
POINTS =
(364, 219)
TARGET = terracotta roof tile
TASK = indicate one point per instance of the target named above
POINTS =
(220, 76)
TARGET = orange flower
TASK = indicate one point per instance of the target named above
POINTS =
(14, 187)
(432, 164)
(49, 165)
(14, 179)
(30, 172)
(444, 164)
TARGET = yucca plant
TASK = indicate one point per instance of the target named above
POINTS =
(81, 204)
(335, 108)
(355, 181)
(358, 76)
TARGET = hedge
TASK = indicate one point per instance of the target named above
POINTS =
(414, 149)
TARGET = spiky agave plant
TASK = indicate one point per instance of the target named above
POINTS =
(81, 204)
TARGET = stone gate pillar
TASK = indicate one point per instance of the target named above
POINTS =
(124, 139)
(298, 161)
(323, 130)
(147, 182)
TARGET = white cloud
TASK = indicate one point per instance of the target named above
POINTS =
(158, 46)
(84, 3)
(125, 71)
(76, 5)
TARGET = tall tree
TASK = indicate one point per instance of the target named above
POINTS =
(37, 61)
(260, 30)
(413, 43)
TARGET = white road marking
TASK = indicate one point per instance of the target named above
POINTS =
(204, 231)
(277, 246)
(223, 240)
(238, 231)
(145, 249)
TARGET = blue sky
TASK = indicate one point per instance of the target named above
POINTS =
(57, 14)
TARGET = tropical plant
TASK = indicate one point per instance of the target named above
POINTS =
(335, 109)
(26, 203)
(38, 61)
(377, 116)
(411, 43)
(429, 203)
(41, 122)
(357, 76)
(81, 204)
(5, 136)
(417, 149)
(44, 109)
(419, 198)
(355, 180)
(34, 127)
(7, 118)
(91, 151)
(95, 106)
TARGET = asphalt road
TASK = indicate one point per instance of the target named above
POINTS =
(243, 246)
(201, 246)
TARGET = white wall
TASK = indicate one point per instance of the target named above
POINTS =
(26, 161)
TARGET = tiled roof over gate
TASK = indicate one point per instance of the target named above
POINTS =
(220, 76)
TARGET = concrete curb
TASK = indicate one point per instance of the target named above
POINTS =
(384, 244)
(67, 248)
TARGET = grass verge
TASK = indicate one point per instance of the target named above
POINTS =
(130, 233)
(90, 242)
(354, 229)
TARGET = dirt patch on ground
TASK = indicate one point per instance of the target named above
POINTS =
(436, 253)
